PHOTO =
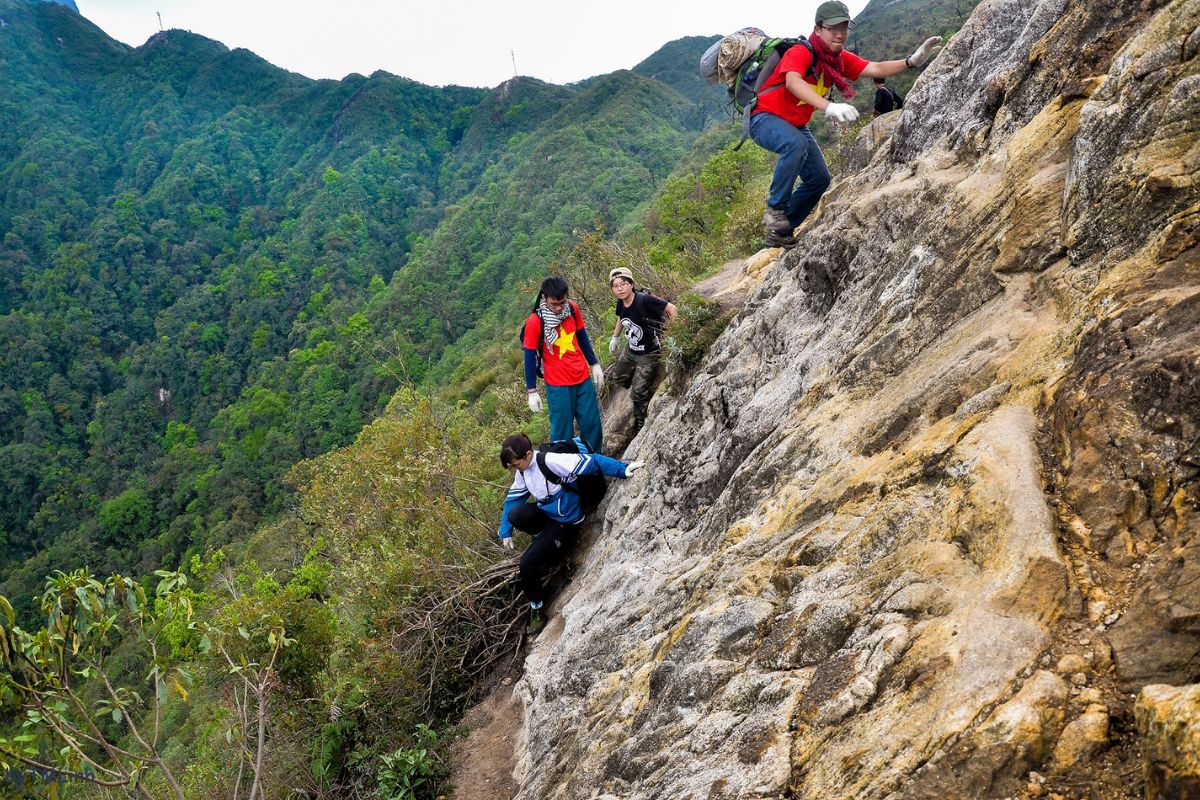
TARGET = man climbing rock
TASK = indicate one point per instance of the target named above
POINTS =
(566, 481)
(555, 334)
(800, 85)
(641, 316)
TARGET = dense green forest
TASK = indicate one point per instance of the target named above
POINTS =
(258, 349)
(212, 269)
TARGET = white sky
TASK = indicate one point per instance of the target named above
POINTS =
(465, 43)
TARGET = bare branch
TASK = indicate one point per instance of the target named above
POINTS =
(82, 776)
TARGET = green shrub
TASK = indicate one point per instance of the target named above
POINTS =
(690, 335)
(413, 773)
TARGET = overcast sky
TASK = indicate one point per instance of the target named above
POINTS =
(466, 42)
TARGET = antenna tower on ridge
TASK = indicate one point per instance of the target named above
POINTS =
(514, 60)
(159, 15)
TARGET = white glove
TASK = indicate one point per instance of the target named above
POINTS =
(613, 344)
(842, 112)
(633, 467)
(598, 376)
(535, 403)
(924, 52)
(506, 542)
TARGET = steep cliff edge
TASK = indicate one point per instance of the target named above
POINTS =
(926, 518)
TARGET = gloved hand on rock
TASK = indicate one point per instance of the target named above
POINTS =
(924, 52)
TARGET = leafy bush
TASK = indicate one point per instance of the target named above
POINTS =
(698, 324)
(410, 515)
(413, 773)
(706, 216)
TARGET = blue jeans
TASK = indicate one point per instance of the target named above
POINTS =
(799, 157)
(571, 404)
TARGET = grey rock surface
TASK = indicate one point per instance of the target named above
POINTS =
(901, 470)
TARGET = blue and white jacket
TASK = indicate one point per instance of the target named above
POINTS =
(560, 504)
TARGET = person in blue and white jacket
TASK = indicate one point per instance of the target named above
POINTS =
(560, 505)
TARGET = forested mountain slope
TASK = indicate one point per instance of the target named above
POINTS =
(196, 258)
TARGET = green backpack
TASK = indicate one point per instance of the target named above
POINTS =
(756, 71)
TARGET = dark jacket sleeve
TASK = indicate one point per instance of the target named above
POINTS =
(530, 368)
(585, 344)
(530, 355)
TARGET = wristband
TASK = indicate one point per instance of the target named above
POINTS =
(907, 63)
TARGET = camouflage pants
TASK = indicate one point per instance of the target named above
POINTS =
(640, 374)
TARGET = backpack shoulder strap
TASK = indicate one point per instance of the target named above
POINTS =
(812, 55)
(550, 475)
(547, 473)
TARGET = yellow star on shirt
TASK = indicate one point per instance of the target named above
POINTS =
(565, 342)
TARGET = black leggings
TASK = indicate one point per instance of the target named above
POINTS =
(552, 540)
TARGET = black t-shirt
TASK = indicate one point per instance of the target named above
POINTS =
(642, 320)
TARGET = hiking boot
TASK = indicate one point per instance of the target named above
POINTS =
(776, 221)
(537, 620)
(779, 239)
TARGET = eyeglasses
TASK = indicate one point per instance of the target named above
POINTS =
(842, 28)
(556, 302)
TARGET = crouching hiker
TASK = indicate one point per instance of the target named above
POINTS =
(639, 366)
(557, 348)
(566, 481)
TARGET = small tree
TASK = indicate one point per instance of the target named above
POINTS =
(67, 680)
(63, 678)
(247, 638)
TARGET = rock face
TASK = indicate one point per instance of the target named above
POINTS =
(1168, 720)
(959, 420)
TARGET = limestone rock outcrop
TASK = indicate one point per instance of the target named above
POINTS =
(950, 442)
(1168, 719)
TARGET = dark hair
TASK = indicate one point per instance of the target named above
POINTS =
(554, 286)
(515, 448)
(878, 80)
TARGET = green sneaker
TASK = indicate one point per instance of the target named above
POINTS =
(537, 620)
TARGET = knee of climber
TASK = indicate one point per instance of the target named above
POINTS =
(821, 181)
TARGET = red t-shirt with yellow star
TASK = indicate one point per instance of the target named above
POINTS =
(783, 103)
(563, 363)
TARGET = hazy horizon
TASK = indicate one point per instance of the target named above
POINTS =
(555, 43)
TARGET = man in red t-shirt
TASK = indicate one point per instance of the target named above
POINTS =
(569, 365)
(799, 86)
